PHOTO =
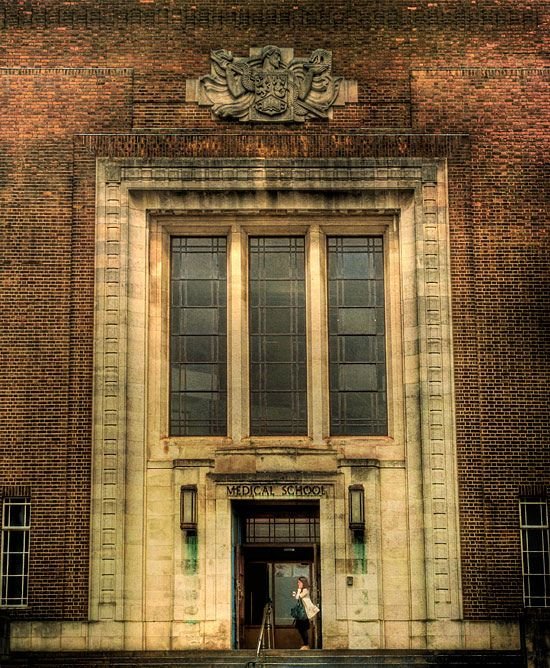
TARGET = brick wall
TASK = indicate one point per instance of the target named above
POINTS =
(73, 70)
(503, 436)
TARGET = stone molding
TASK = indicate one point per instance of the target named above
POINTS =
(439, 454)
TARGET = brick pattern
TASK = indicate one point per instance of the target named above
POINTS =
(72, 70)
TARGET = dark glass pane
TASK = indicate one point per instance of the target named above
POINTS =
(198, 381)
(200, 321)
(535, 563)
(14, 590)
(277, 321)
(537, 585)
(534, 540)
(354, 265)
(14, 541)
(201, 377)
(277, 265)
(355, 293)
(273, 377)
(202, 293)
(358, 377)
(176, 293)
(357, 349)
(198, 413)
(537, 602)
(534, 514)
(276, 348)
(274, 293)
(15, 563)
(356, 407)
(15, 514)
(301, 530)
(198, 263)
(277, 336)
(282, 528)
(357, 336)
(358, 321)
(190, 349)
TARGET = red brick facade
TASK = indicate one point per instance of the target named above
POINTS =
(461, 80)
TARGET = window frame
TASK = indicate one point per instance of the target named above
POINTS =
(6, 530)
(260, 397)
(338, 393)
(315, 227)
(544, 529)
(176, 334)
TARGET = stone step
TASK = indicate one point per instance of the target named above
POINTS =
(268, 659)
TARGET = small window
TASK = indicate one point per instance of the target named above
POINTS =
(16, 524)
(535, 552)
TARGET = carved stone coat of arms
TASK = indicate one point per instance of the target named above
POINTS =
(271, 85)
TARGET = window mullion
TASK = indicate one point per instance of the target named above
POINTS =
(318, 407)
(237, 332)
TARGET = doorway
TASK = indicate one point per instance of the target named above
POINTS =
(275, 544)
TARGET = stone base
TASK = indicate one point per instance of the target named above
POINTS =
(162, 636)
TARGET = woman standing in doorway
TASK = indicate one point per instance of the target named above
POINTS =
(310, 610)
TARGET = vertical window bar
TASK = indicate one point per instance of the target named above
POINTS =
(357, 355)
(16, 524)
(198, 336)
(535, 550)
(278, 402)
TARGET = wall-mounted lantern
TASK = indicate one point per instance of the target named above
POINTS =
(356, 508)
(188, 508)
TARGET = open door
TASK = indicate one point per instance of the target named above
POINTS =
(276, 545)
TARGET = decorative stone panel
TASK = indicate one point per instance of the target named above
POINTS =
(271, 85)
